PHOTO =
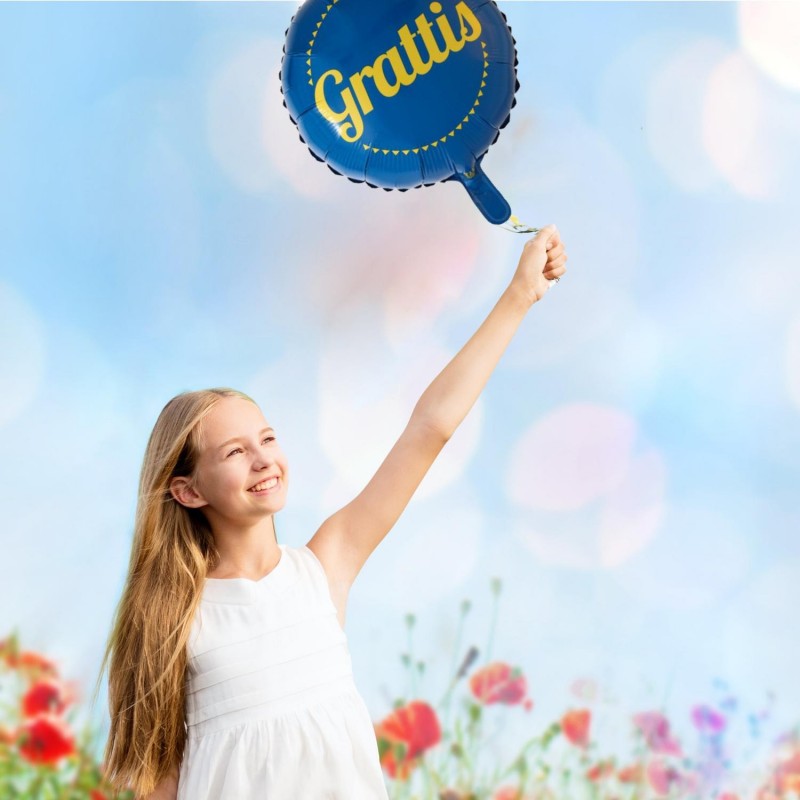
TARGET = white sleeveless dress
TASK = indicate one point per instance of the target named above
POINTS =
(272, 709)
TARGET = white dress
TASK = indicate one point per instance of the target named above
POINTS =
(272, 710)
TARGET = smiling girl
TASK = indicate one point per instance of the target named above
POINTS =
(230, 676)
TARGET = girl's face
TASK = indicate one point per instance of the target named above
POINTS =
(240, 453)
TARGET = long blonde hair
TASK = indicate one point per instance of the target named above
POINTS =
(173, 550)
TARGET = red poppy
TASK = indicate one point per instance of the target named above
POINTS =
(631, 774)
(47, 695)
(31, 661)
(600, 770)
(46, 739)
(96, 794)
(575, 726)
(404, 735)
(499, 683)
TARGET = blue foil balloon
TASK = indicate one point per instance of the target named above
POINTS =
(402, 93)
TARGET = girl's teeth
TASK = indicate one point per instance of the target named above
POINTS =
(261, 486)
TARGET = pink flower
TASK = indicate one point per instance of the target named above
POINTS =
(707, 720)
(655, 727)
(663, 777)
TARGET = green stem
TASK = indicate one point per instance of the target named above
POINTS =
(493, 625)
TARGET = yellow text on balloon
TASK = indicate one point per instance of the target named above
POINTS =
(354, 100)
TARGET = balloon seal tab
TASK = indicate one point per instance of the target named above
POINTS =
(515, 225)
(484, 194)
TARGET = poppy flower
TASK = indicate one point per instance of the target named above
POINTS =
(600, 770)
(404, 735)
(499, 683)
(575, 726)
(45, 739)
(47, 695)
(30, 661)
(633, 773)
(655, 727)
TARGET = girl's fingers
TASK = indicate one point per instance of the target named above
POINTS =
(553, 270)
(556, 262)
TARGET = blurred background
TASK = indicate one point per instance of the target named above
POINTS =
(629, 473)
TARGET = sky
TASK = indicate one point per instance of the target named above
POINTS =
(629, 472)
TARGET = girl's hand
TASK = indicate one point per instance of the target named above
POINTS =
(543, 258)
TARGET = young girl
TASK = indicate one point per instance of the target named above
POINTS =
(230, 676)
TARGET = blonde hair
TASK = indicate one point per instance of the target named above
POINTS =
(173, 550)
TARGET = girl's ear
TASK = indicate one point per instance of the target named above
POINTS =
(182, 490)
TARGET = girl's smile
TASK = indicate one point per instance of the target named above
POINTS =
(265, 487)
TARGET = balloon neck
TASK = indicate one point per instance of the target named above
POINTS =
(484, 194)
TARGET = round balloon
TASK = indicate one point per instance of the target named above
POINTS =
(402, 93)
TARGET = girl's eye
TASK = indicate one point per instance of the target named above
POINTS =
(238, 449)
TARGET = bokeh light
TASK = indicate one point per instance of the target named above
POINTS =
(750, 130)
(674, 116)
(570, 457)
(365, 402)
(770, 35)
(593, 489)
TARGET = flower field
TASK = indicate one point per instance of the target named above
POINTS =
(432, 750)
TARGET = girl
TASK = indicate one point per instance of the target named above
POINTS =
(230, 676)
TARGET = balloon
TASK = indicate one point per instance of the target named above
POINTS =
(402, 93)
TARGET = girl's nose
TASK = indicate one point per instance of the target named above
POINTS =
(262, 461)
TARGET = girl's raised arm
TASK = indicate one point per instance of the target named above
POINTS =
(346, 539)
